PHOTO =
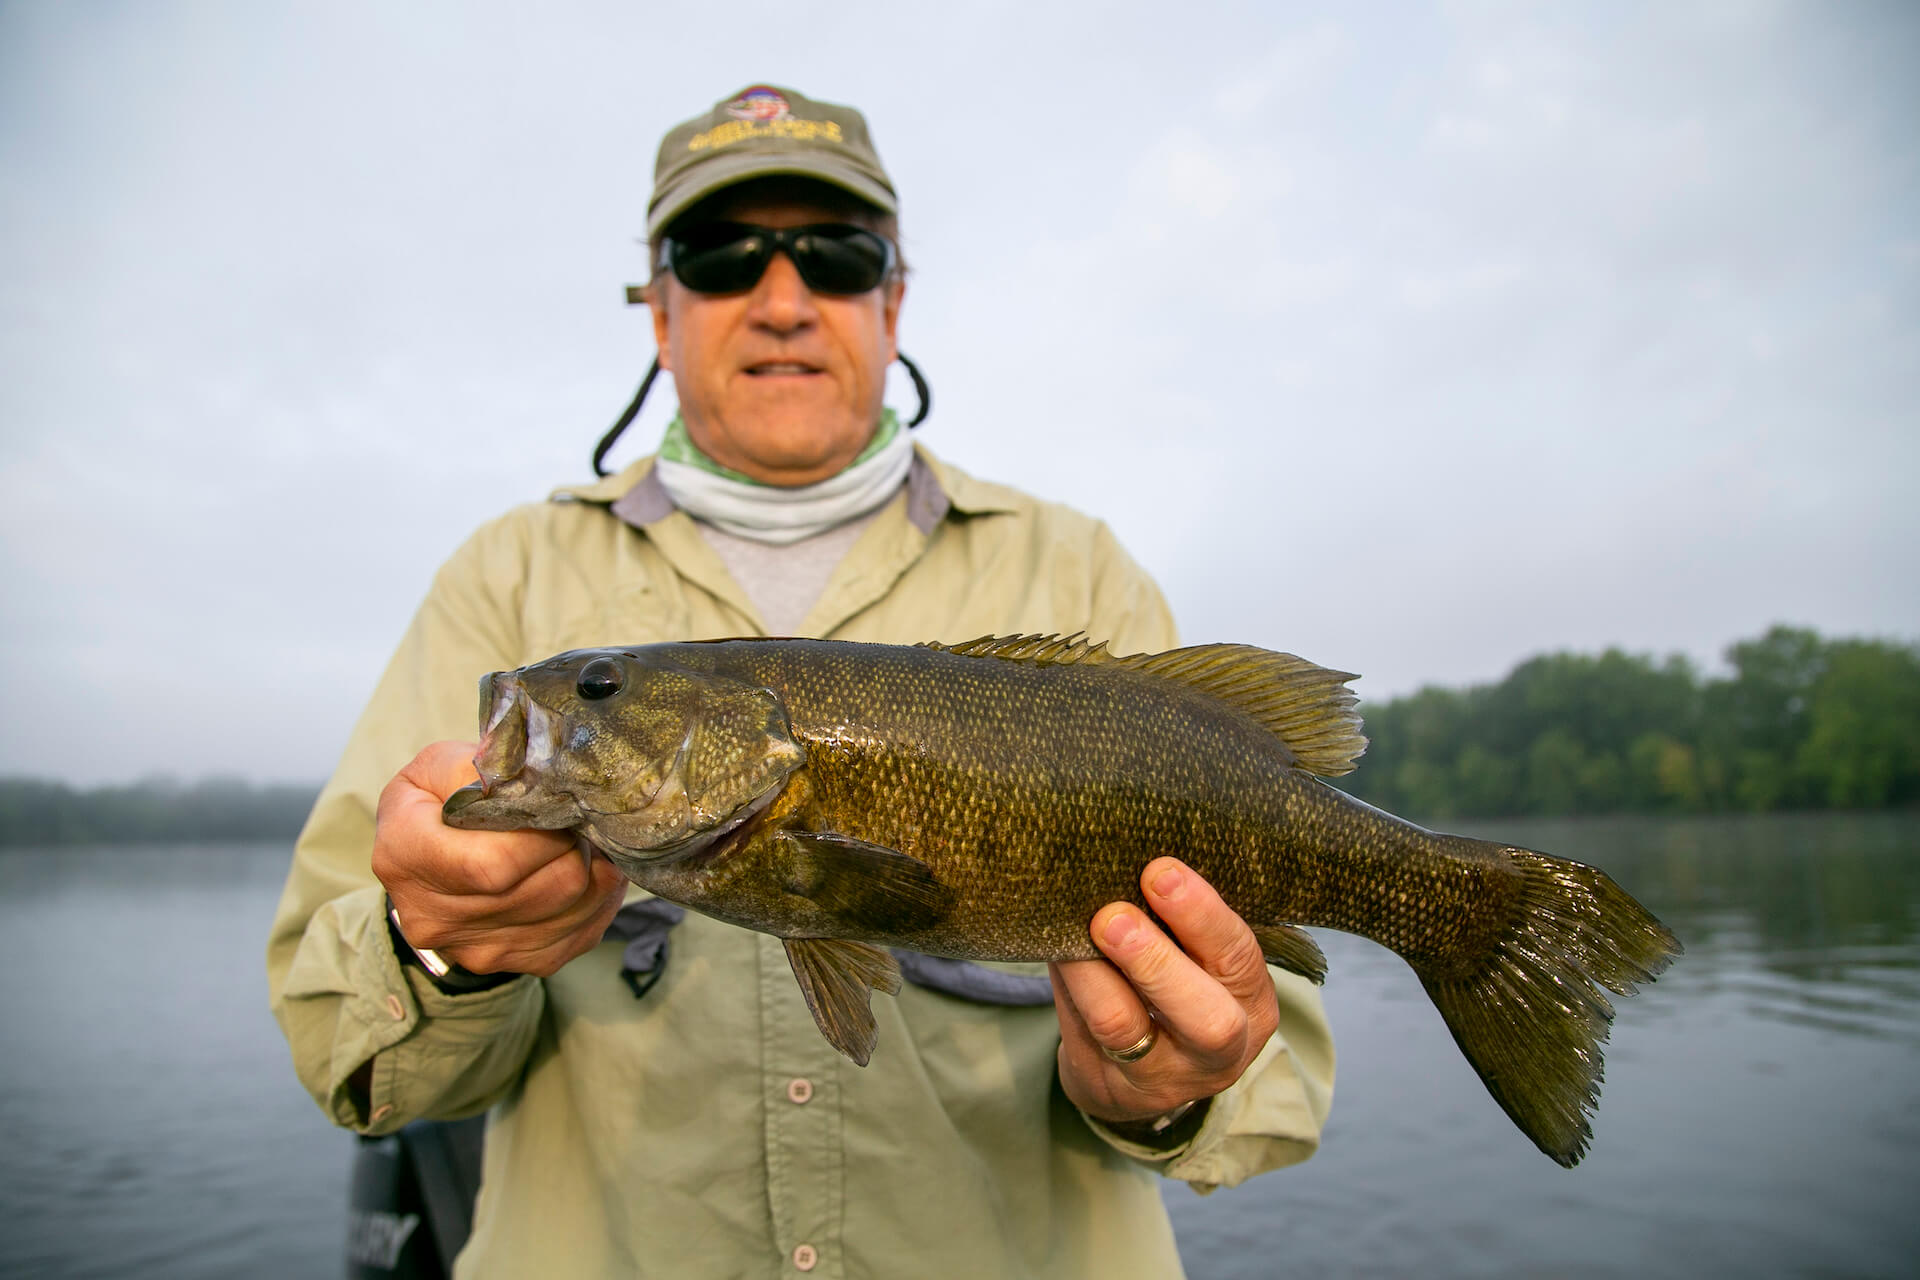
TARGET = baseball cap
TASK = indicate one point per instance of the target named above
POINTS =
(760, 131)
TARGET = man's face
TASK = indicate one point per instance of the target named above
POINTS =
(778, 382)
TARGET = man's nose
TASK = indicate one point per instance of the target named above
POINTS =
(781, 301)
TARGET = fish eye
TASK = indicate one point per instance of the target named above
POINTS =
(599, 679)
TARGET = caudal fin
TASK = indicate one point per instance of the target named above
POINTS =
(1529, 1014)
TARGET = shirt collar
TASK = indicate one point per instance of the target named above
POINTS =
(934, 490)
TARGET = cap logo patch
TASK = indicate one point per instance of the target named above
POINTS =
(792, 128)
(759, 103)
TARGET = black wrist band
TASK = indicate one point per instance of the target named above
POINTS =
(448, 977)
(1166, 1131)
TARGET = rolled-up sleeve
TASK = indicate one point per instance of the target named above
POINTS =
(335, 987)
(433, 1054)
(1268, 1119)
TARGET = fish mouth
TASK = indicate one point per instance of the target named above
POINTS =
(519, 742)
(519, 737)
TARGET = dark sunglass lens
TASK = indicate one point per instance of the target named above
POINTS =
(719, 259)
(840, 260)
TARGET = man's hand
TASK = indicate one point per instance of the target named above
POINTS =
(1207, 1002)
(491, 901)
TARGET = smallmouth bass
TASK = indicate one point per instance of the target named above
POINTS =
(984, 800)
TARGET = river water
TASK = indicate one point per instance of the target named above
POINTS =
(1761, 1112)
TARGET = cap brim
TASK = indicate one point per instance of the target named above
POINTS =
(722, 172)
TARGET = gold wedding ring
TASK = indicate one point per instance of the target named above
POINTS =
(1138, 1049)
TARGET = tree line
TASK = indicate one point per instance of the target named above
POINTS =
(34, 811)
(1801, 722)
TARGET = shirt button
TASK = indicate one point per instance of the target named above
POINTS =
(398, 1010)
(805, 1256)
(799, 1089)
(380, 1113)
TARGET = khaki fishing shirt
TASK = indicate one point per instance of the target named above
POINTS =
(707, 1129)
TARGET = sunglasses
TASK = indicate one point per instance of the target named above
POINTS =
(730, 257)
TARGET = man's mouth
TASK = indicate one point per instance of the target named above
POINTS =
(780, 369)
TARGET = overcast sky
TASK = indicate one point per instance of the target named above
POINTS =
(1416, 340)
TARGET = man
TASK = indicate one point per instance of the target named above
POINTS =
(704, 1127)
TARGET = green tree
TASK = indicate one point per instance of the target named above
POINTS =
(1663, 775)
(1555, 762)
(1799, 721)
(1757, 721)
(1862, 743)
(1486, 782)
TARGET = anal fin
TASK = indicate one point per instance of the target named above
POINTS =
(1293, 949)
(838, 979)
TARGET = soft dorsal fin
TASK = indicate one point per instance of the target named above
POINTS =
(1308, 707)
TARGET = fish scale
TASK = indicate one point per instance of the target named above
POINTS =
(983, 801)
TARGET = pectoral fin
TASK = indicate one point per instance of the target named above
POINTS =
(869, 888)
(838, 979)
(1293, 949)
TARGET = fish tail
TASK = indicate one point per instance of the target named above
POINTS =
(1527, 1010)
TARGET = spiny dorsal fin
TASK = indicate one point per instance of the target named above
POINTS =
(1307, 707)
(1046, 650)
